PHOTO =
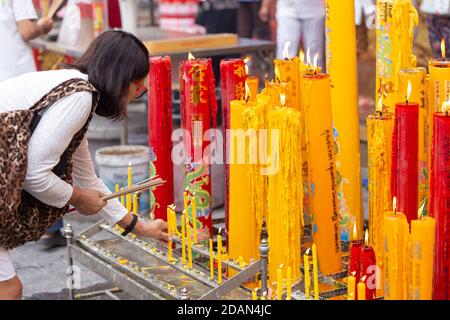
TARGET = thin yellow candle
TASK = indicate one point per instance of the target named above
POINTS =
(307, 274)
(422, 250)
(170, 231)
(189, 242)
(255, 294)
(379, 142)
(361, 287)
(315, 272)
(185, 203)
(122, 198)
(194, 217)
(279, 282)
(289, 283)
(324, 197)
(219, 258)
(342, 67)
(396, 238)
(351, 284)
(183, 239)
(117, 189)
(211, 260)
(135, 204)
(253, 84)
(130, 183)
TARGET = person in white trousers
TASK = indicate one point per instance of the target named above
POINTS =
(298, 20)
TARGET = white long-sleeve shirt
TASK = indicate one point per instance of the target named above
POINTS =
(58, 125)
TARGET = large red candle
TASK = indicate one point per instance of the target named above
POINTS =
(160, 130)
(404, 180)
(232, 85)
(440, 203)
(368, 269)
(198, 113)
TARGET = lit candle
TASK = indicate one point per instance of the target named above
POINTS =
(396, 238)
(351, 285)
(194, 217)
(279, 282)
(404, 181)
(135, 204)
(289, 283)
(324, 197)
(211, 260)
(439, 201)
(362, 289)
(368, 269)
(307, 274)
(189, 241)
(219, 257)
(315, 272)
(422, 254)
(289, 72)
(183, 239)
(355, 255)
(130, 183)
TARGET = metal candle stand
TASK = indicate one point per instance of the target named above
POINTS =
(140, 268)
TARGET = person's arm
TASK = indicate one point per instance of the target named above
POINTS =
(85, 177)
(25, 16)
(48, 142)
(264, 11)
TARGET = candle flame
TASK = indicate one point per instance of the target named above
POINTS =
(308, 57)
(301, 56)
(380, 105)
(421, 210)
(353, 273)
(190, 56)
(286, 50)
(366, 238)
(247, 59)
(355, 233)
(283, 99)
(408, 90)
(247, 91)
(220, 230)
(443, 49)
(246, 69)
(129, 164)
(394, 204)
(277, 74)
(446, 106)
(308, 251)
(281, 266)
(316, 59)
(363, 279)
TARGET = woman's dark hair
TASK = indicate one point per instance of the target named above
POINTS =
(112, 61)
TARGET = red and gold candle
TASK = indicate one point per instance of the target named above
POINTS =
(160, 130)
(368, 268)
(440, 202)
(198, 114)
(355, 256)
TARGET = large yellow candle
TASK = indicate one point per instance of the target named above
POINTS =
(396, 20)
(341, 65)
(361, 287)
(422, 250)
(243, 232)
(396, 238)
(183, 239)
(307, 274)
(130, 183)
(379, 142)
(351, 284)
(417, 78)
(211, 260)
(324, 202)
(219, 258)
(315, 272)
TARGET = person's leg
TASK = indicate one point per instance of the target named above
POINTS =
(245, 26)
(10, 285)
(260, 29)
(313, 35)
(289, 29)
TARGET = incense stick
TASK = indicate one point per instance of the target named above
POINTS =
(141, 186)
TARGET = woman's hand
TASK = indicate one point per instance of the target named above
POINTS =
(87, 201)
(155, 229)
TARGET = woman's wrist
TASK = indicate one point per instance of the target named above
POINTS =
(75, 196)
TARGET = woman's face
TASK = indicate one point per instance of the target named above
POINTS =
(137, 89)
